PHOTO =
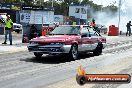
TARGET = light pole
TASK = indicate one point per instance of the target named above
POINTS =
(52, 3)
(101, 5)
(119, 13)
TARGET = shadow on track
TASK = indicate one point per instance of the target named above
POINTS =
(55, 59)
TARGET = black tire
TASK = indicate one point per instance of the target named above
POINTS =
(98, 50)
(81, 80)
(22, 40)
(74, 52)
(38, 55)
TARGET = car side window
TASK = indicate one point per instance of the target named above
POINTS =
(85, 31)
(92, 34)
(97, 34)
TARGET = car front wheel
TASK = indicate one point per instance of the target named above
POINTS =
(38, 55)
(74, 52)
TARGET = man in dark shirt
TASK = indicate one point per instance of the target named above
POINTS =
(128, 28)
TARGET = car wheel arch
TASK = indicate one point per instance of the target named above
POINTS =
(70, 52)
(98, 49)
(74, 43)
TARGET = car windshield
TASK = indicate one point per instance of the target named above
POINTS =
(66, 30)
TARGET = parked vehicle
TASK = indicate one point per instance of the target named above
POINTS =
(17, 27)
(69, 40)
(101, 28)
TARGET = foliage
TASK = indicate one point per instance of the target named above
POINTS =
(72, 1)
(111, 8)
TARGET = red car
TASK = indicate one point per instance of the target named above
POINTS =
(70, 40)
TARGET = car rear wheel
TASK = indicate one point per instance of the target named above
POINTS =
(74, 52)
(38, 55)
(98, 50)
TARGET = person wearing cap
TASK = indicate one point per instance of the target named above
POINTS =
(8, 29)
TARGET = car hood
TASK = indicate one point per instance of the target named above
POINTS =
(53, 38)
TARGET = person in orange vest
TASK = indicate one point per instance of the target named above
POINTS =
(93, 24)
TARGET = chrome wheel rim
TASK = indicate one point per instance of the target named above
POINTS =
(74, 52)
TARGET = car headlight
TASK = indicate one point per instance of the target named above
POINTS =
(33, 43)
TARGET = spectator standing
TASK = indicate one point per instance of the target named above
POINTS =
(8, 29)
(128, 28)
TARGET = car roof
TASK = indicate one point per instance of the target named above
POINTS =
(16, 24)
(81, 26)
(73, 25)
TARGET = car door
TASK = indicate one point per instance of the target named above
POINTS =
(94, 39)
(85, 42)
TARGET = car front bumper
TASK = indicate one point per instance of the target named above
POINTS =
(16, 29)
(49, 49)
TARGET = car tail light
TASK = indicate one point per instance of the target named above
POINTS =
(103, 40)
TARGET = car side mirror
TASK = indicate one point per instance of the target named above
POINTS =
(84, 35)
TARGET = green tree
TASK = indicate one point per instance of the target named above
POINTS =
(72, 1)
(87, 2)
(111, 9)
(11, 1)
(28, 2)
(57, 8)
(7, 1)
(76, 2)
(64, 8)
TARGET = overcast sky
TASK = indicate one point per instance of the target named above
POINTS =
(108, 2)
